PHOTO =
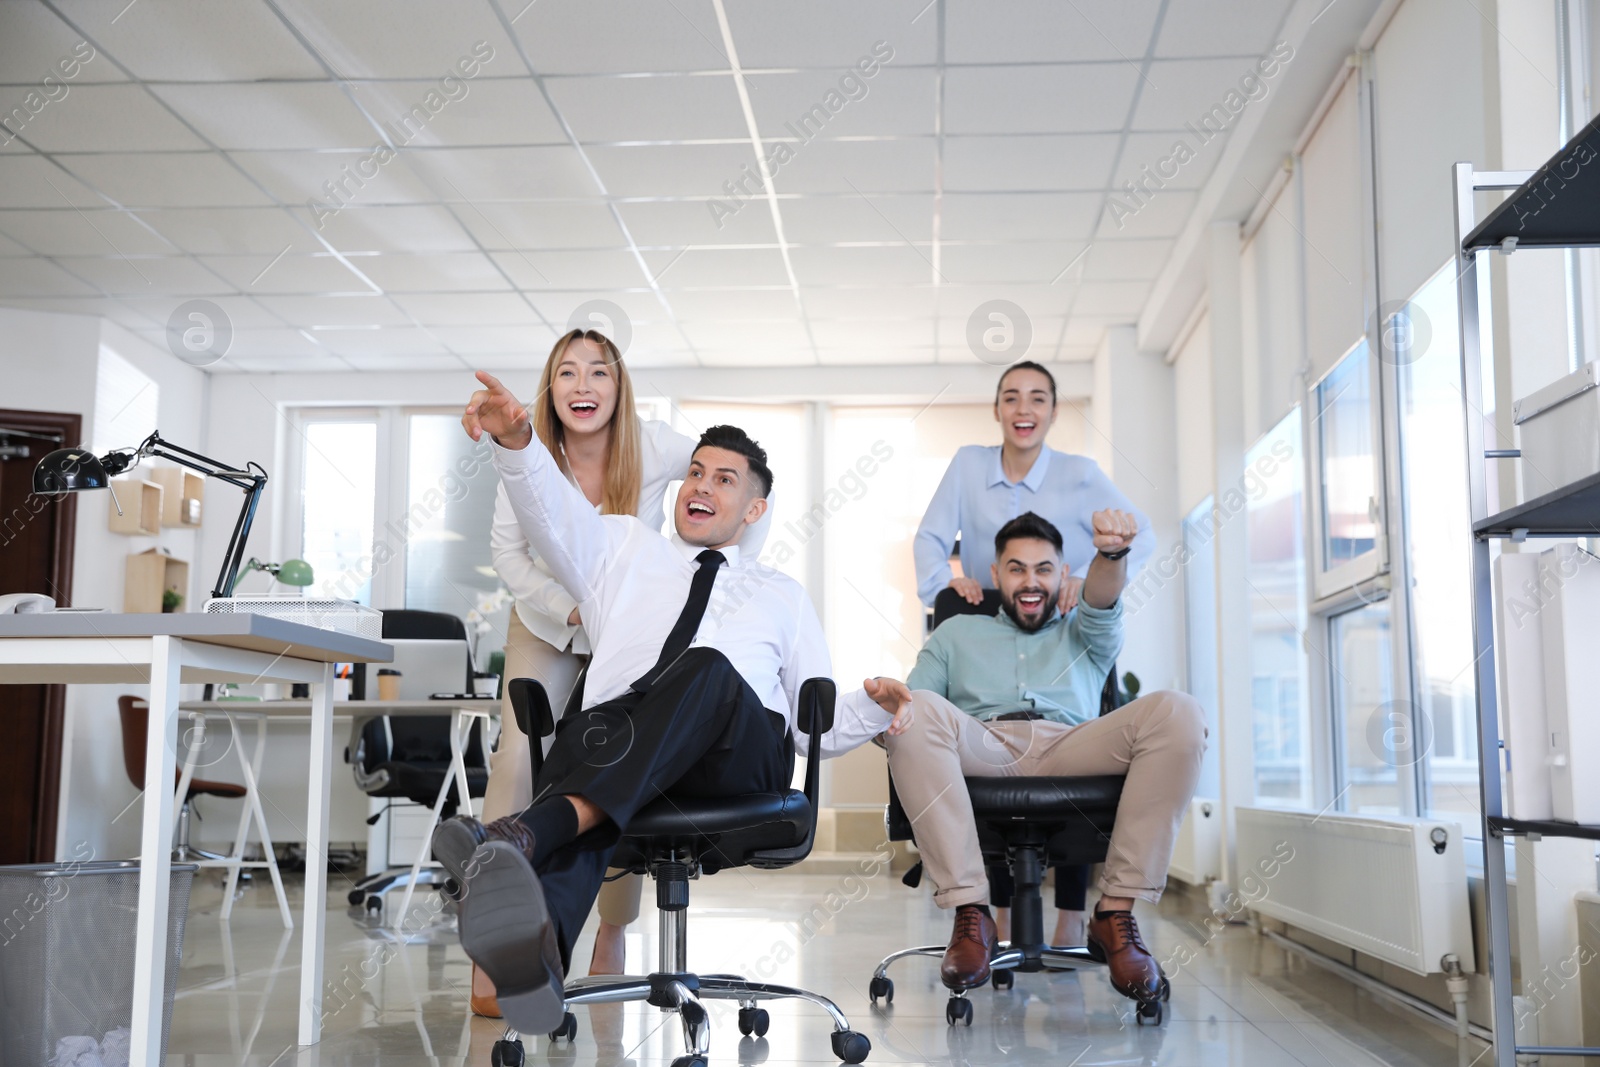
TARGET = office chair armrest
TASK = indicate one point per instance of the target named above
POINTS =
(531, 705)
(815, 717)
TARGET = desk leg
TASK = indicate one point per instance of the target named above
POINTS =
(314, 926)
(150, 956)
(398, 919)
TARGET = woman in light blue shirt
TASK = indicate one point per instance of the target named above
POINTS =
(985, 487)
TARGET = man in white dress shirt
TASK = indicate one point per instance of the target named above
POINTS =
(693, 688)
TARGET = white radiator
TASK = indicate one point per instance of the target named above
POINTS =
(1197, 857)
(1393, 888)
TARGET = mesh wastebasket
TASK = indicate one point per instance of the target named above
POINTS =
(67, 936)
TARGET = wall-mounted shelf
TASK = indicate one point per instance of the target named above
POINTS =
(141, 507)
(1571, 511)
(149, 574)
(183, 495)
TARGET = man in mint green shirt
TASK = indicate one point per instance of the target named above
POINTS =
(1018, 694)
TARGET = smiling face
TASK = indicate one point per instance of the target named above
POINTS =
(1025, 408)
(718, 499)
(583, 388)
(1028, 575)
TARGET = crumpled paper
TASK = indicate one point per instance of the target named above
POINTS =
(113, 1051)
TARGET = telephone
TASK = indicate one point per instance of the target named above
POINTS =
(25, 603)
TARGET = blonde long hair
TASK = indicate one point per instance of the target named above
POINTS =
(624, 463)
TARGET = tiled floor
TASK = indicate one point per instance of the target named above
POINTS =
(1240, 1001)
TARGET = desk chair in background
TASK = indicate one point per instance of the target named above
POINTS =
(679, 838)
(408, 757)
(1026, 823)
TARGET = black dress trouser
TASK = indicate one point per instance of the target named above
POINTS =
(699, 732)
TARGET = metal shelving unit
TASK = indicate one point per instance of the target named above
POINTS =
(1557, 206)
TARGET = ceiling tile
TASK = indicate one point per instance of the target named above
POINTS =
(732, 305)
(1125, 260)
(1040, 302)
(854, 355)
(1111, 298)
(272, 343)
(37, 44)
(228, 231)
(832, 33)
(918, 300)
(503, 173)
(315, 364)
(1239, 27)
(859, 166)
(534, 224)
(524, 340)
(405, 38)
(665, 108)
(292, 273)
(671, 170)
(1085, 98)
(83, 232)
(1045, 31)
(679, 223)
(164, 179)
(765, 357)
(332, 178)
(360, 309)
(1020, 216)
(1183, 91)
(1161, 215)
(867, 334)
(142, 275)
(1038, 162)
(390, 228)
(433, 272)
(21, 277)
(801, 105)
(8, 247)
(900, 265)
(108, 118)
(639, 35)
(717, 268)
(486, 111)
(271, 115)
(192, 40)
(749, 336)
(388, 363)
(242, 313)
(852, 218)
(639, 306)
(390, 340)
(1174, 161)
(571, 270)
(33, 181)
(1037, 262)
(468, 309)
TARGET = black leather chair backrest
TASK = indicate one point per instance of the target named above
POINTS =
(420, 741)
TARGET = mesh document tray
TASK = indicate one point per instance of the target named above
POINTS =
(67, 936)
(325, 613)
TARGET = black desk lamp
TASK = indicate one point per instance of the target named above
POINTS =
(70, 470)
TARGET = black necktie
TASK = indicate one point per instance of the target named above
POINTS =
(688, 624)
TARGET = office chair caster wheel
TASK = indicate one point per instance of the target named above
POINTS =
(1166, 989)
(374, 905)
(1002, 979)
(881, 986)
(689, 1061)
(355, 897)
(1149, 1011)
(506, 1054)
(568, 1029)
(958, 1010)
(754, 1021)
(850, 1046)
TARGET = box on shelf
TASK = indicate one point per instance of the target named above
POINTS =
(149, 575)
(182, 492)
(1569, 584)
(1559, 432)
(141, 507)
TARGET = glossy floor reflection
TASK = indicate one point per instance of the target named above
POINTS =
(1241, 1000)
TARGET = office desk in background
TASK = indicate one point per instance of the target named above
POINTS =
(162, 651)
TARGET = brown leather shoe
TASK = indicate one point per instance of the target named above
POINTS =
(483, 999)
(455, 840)
(972, 944)
(1113, 939)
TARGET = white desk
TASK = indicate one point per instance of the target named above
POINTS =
(163, 651)
(462, 716)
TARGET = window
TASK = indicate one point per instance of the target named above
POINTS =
(1347, 497)
(450, 494)
(1200, 608)
(1374, 728)
(1277, 580)
(1424, 336)
(338, 476)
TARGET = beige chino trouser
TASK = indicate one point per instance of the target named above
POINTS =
(1156, 740)
(510, 786)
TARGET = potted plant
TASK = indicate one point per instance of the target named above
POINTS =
(170, 599)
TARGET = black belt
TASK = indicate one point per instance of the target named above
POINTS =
(1017, 716)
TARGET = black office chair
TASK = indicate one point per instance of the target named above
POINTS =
(1026, 823)
(408, 757)
(678, 838)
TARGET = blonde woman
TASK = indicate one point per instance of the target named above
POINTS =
(585, 415)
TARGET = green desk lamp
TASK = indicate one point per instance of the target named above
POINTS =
(289, 572)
